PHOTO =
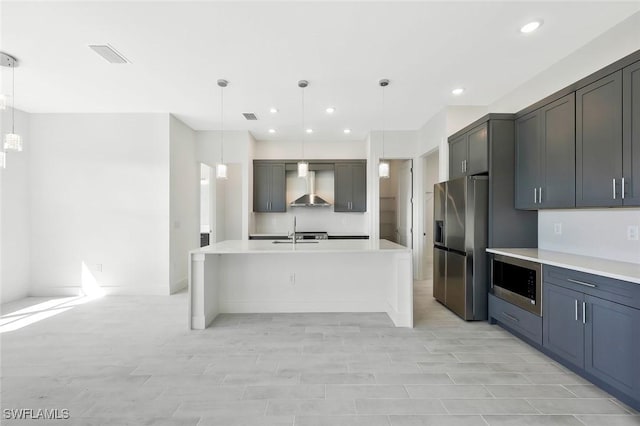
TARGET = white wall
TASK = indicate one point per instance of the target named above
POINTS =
(184, 190)
(100, 195)
(593, 232)
(15, 227)
(238, 146)
(621, 40)
(313, 150)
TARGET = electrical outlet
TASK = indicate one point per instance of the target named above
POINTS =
(97, 267)
(632, 233)
(557, 228)
(292, 278)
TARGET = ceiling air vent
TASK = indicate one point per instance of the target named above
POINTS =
(108, 53)
(249, 116)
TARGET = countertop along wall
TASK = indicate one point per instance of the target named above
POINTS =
(591, 232)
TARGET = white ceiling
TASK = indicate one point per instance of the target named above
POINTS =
(179, 49)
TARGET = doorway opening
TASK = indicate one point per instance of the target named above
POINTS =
(396, 203)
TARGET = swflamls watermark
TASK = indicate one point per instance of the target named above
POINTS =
(35, 414)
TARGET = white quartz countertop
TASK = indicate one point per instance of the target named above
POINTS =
(593, 265)
(321, 246)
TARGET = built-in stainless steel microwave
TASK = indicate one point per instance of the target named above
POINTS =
(518, 282)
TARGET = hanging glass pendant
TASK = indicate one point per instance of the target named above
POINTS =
(12, 142)
(383, 169)
(303, 169)
(221, 171)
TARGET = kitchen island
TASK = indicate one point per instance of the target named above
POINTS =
(258, 276)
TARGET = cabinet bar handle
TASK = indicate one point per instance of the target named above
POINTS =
(540, 195)
(511, 317)
(576, 310)
(582, 283)
(535, 196)
(584, 313)
(622, 191)
(614, 188)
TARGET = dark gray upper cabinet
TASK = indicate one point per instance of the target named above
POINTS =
(469, 153)
(545, 156)
(457, 156)
(269, 187)
(350, 187)
(527, 160)
(599, 143)
(562, 331)
(488, 144)
(631, 134)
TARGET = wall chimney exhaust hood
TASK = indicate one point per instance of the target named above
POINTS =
(310, 199)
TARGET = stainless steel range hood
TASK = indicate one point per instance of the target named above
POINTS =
(310, 199)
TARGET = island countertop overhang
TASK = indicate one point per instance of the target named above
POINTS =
(321, 246)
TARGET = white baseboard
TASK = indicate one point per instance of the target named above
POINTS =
(66, 291)
(274, 306)
(180, 285)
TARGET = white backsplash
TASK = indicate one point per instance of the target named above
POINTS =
(311, 218)
(590, 232)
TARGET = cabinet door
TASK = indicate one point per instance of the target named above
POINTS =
(359, 188)
(457, 157)
(557, 174)
(527, 160)
(562, 329)
(478, 149)
(343, 188)
(612, 345)
(278, 190)
(261, 187)
(631, 134)
(599, 143)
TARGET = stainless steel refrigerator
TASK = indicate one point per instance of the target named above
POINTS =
(460, 278)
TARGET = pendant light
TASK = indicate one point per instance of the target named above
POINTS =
(221, 167)
(12, 141)
(303, 166)
(383, 165)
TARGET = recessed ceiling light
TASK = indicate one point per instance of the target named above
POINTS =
(273, 110)
(531, 27)
(330, 110)
(272, 130)
(309, 130)
(347, 131)
(458, 91)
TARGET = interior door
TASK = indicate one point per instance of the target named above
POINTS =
(404, 208)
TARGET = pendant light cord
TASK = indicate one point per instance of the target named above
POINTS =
(383, 123)
(304, 131)
(221, 125)
(13, 98)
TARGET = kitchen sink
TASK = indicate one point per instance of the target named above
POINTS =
(291, 242)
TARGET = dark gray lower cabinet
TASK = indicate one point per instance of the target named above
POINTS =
(599, 337)
(612, 344)
(515, 318)
(562, 328)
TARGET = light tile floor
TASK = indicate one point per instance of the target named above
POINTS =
(132, 361)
